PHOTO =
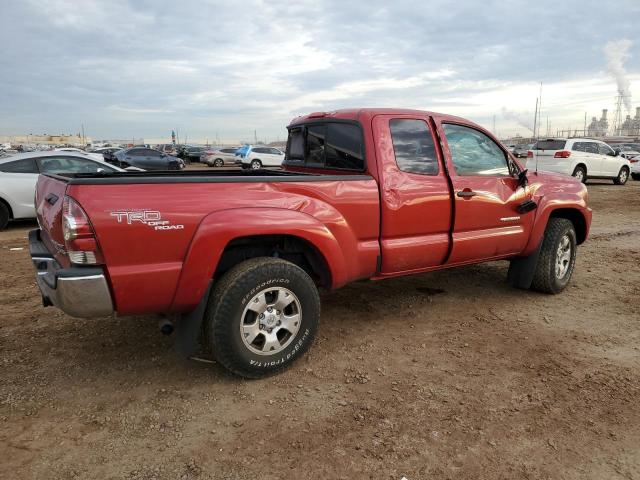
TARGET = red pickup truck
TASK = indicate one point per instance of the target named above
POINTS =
(363, 194)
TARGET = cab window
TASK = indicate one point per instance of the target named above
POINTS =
(474, 153)
(413, 146)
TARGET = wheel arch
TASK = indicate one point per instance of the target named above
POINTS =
(576, 218)
(227, 237)
(8, 205)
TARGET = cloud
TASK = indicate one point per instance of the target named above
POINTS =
(125, 67)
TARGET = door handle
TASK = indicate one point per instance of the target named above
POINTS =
(466, 193)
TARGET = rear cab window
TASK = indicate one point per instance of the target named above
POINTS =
(331, 145)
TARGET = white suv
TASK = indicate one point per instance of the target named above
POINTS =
(258, 157)
(581, 157)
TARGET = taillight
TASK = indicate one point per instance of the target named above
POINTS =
(562, 154)
(79, 237)
(529, 154)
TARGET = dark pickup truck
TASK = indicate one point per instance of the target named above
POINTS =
(363, 194)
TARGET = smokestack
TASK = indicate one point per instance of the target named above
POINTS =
(604, 114)
(638, 112)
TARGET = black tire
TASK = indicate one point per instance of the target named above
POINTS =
(218, 162)
(546, 279)
(228, 309)
(256, 164)
(5, 216)
(580, 171)
(635, 176)
(623, 176)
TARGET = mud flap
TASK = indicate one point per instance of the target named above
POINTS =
(522, 269)
(189, 326)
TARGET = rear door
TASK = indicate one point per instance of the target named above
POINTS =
(487, 223)
(416, 214)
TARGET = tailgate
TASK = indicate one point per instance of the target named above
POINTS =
(49, 199)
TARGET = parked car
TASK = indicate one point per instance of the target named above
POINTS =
(191, 153)
(244, 253)
(581, 157)
(627, 151)
(95, 156)
(520, 151)
(19, 174)
(168, 148)
(146, 158)
(219, 157)
(106, 150)
(258, 157)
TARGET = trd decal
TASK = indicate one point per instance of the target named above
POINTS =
(152, 218)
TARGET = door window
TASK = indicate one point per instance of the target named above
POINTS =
(27, 165)
(413, 146)
(605, 149)
(474, 153)
(591, 147)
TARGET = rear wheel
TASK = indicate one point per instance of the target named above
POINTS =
(218, 162)
(4, 216)
(623, 176)
(261, 316)
(557, 257)
(580, 173)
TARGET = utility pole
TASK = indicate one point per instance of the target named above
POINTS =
(535, 121)
(255, 136)
(584, 132)
(494, 126)
(84, 139)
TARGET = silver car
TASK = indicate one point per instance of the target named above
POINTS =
(219, 157)
(19, 174)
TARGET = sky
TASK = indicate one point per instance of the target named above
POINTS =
(224, 69)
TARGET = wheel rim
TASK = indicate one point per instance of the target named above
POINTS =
(255, 165)
(218, 163)
(579, 174)
(270, 321)
(563, 257)
(623, 176)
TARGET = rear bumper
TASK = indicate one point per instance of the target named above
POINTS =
(78, 291)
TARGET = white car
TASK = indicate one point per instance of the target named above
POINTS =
(19, 174)
(94, 156)
(258, 157)
(583, 158)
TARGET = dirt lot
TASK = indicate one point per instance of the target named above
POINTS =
(444, 375)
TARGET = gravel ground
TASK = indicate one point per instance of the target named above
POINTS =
(450, 374)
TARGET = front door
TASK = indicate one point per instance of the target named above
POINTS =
(487, 223)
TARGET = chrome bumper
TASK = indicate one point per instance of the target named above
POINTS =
(78, 291)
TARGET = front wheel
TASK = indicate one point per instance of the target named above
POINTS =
(256, 164)
(557, 257)
(580, 173)
(623, 176)
(261, 316)
(218, 163)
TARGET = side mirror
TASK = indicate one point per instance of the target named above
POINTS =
(523, 181)
(617, 152)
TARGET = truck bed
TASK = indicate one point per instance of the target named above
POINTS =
(200, 176)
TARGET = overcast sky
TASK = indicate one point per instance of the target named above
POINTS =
(141, 68)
